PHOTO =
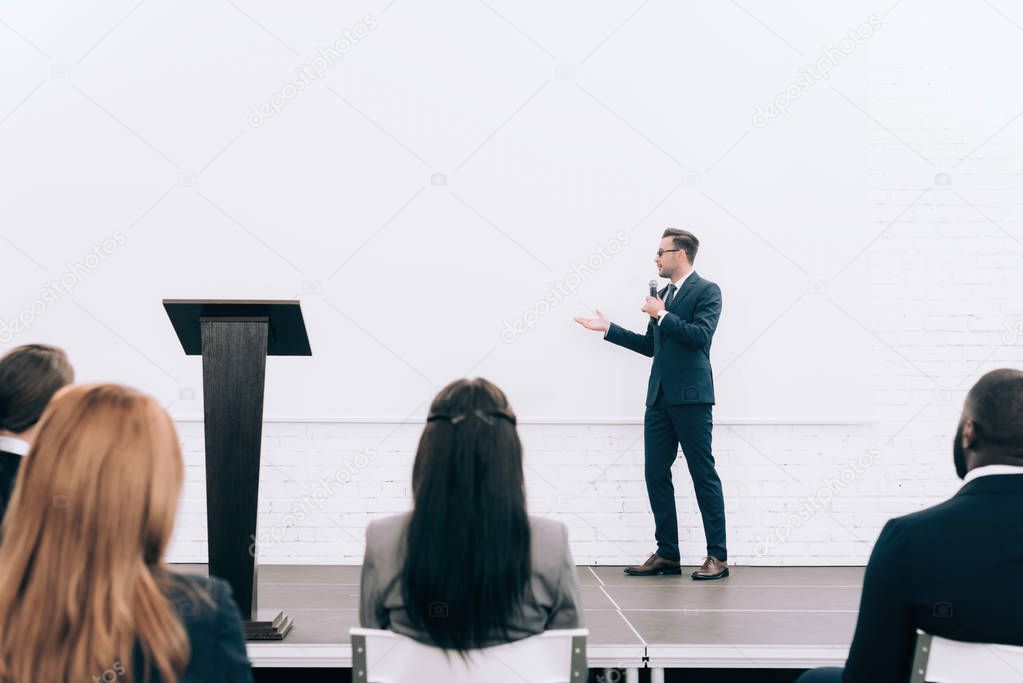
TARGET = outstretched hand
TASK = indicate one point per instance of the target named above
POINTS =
(598, 324)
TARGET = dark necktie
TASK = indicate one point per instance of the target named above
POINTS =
(671, 296)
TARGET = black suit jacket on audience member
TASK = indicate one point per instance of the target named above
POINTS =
(9, 464)
(214, 630)
(680, 345)
(954, 570)
(214, 633)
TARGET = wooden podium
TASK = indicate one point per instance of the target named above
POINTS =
(234, 339)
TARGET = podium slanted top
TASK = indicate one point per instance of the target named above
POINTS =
(287, 327)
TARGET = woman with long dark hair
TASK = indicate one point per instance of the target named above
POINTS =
(468, 568)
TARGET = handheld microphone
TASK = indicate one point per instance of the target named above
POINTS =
(653, 288)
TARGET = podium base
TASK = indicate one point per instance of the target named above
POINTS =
(269, 630)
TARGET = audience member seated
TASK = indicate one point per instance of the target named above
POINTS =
(84, 592)
(468, 568)
(952, 570)
(29, 376)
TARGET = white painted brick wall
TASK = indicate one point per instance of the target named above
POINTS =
(945, 283)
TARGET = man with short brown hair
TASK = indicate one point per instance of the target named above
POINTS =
(29, 377)
(680, 402)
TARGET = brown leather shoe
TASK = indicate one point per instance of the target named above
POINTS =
(712, 568)
(655, 564)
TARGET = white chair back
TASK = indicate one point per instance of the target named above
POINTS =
(550, 657)
(939, 660)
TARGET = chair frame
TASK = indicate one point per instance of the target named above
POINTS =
(921, 656)
(360, 665)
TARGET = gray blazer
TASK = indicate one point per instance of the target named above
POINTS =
(555, 603)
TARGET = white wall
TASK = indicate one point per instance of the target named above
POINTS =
(925, 288)
(509, 188)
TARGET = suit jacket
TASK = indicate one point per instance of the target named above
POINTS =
(953, 570)
(680, 344)
(555, 601)
(214, 632)
(9, 465)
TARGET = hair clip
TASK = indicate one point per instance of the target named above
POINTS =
(485, 416)
(500, 413)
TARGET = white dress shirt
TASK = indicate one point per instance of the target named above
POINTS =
(9, 444)
(988, 470)
(678, 286)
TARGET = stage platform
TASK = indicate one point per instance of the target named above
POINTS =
(759, 617)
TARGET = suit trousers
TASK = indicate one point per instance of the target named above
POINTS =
(665, 428)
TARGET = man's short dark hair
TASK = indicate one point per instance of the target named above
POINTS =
(995, 404)
(684, 240)
(29, 377)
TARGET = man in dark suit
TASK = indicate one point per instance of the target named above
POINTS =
(951, 570)
(29, 377)
(680, 400)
